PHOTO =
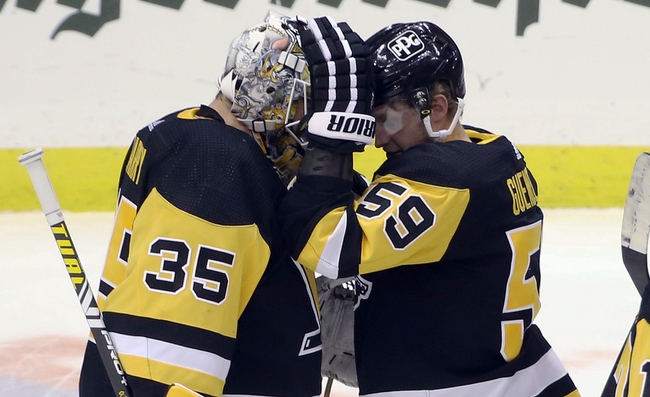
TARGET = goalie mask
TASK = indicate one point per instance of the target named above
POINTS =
(265, 77)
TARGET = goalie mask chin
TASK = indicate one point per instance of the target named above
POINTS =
(265, 78)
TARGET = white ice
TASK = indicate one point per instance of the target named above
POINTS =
(588, 300)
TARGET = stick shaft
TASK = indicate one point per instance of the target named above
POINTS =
(33, 162)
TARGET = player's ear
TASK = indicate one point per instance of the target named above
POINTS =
(439, 108)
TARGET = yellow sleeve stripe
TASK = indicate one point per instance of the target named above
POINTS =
(188, 114)
(483, 137)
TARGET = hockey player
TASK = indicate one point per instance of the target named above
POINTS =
(629, 376)
(446, 238)
(198, 290)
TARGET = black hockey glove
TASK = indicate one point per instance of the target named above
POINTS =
(341, 97)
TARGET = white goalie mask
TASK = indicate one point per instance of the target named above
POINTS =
(265, 77)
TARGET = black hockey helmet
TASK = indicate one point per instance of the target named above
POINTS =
(409, 56)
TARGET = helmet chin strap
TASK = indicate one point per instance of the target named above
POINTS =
(441, 134)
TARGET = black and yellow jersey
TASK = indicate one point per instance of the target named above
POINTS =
(630, 375)
(446, 241)
(198, 288)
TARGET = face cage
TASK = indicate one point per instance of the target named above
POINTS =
(264, 85)
(263, 65)
(270, 90)
(265, 131)
(282, 146)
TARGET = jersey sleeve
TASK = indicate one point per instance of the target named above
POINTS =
(396, 214)
(319, 208)
(341, 236)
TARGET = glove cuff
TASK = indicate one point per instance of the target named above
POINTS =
(345, 126)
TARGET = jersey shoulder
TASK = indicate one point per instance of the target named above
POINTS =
(196, 129)
(457, 164)
(202, 165)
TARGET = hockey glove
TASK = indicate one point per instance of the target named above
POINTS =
(341, 97)
(337, 299)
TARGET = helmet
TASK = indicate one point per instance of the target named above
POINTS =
(264, 77)
(409, 56)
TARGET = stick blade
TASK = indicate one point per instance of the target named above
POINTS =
(636, 223)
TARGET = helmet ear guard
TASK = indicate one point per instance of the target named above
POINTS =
(440, 134)
(421, 102)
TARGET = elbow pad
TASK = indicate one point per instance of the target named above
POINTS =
(324, 162)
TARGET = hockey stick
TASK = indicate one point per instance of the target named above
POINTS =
(328, 387)
(636, 223)
(46, 196)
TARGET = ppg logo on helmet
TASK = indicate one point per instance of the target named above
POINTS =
(406, 45)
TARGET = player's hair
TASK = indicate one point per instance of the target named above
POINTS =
(441, 87)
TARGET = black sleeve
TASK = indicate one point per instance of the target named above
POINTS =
(310, 198)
